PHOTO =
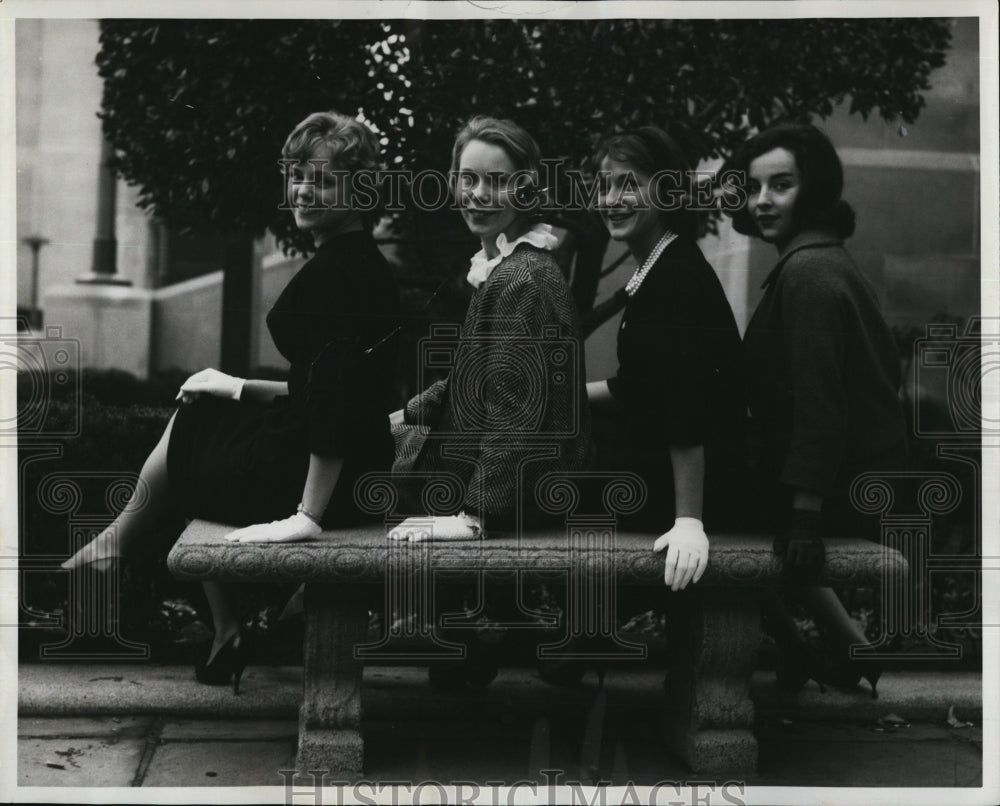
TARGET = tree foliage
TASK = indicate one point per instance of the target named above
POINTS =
(709, 81)
(197, 110)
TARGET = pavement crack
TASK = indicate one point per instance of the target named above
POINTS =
(114, 679)
(153, 740)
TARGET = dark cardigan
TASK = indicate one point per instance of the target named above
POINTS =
(823, 372)
(246, 462)
(680, 383)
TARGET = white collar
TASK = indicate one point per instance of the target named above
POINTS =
(539, 235)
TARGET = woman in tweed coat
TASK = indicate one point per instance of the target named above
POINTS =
(513, 407)
(824, 377)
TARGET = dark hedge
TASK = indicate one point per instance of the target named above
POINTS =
(121, 419)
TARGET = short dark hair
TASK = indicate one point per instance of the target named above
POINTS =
(651, 150)
(819, 202)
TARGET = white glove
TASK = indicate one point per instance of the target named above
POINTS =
(297, 527)
(687, 557)
(210, 382)
(452, 527)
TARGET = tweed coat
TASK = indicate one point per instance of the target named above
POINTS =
(513, 406)
(823, 372)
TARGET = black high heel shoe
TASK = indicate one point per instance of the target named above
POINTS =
(569, 672)
(872, 673)
(847, 672)
(799, 663)
(228, 663)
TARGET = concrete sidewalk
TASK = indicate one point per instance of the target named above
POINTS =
(145, 725)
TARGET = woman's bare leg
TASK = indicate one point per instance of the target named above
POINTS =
(823, 605)
(147, 504)
(829, 612)
(225, 614)
(778, 621)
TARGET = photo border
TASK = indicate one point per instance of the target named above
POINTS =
(10, 10)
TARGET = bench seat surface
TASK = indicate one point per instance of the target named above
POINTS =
(366, 555)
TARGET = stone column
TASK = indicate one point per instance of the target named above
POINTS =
(330, 716)
(713, 636)
(104, 266)
(112, 321)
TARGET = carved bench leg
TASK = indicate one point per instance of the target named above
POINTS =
(330, 717)
(714, 636)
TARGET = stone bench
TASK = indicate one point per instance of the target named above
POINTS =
(713, 643)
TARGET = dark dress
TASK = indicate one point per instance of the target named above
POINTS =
(824, 376)
(679, 382)
(244, 462)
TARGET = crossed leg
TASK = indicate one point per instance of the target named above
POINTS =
(147, 504)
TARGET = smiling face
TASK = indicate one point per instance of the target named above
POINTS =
(481, 187)
(321, 196)
(774, 184)
(627, 206)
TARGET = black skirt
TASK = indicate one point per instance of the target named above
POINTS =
(242, 463)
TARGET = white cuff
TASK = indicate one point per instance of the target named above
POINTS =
(238, 388)
(679, 521)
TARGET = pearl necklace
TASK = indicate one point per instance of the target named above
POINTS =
(640, 273)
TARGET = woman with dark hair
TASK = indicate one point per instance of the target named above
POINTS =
(249, 451)
(674, 410)
(678, 393)
(823, 375)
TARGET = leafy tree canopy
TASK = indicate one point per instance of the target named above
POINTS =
(197, 110)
